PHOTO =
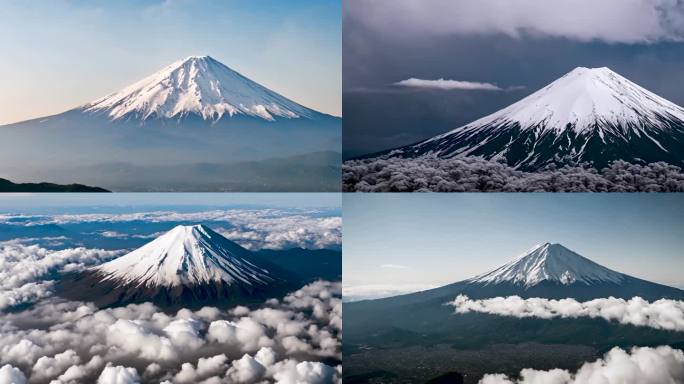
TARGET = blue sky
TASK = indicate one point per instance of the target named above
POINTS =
(423, 240)
(60, 54)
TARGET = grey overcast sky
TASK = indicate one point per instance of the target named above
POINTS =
(518, 45)
(404, 242)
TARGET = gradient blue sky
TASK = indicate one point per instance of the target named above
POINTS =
(422, 240)
(58, 54)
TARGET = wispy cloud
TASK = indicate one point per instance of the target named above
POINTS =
(378, 291)
(448, 85)
(393, 266)
(661, 314)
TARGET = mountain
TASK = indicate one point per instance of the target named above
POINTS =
(548, 271)
(591, 115)
(8, 186)
(193, 112)
(199, 86)
(389, 337)
(189, 266)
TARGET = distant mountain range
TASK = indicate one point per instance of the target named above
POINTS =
(192, 112)
(590, 115)
(8, 186)
(191, 267)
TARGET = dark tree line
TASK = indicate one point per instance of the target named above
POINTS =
(474, 174)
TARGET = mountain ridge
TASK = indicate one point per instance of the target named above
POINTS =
(186, 267)
(198, 85)
(589, 115)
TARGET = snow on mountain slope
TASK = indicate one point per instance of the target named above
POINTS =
(549, 262)
(591, 115)
(198, 85)
(583, 98)
(186, 255)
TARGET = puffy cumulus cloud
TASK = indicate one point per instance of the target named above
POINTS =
(661, 314)
(447, 85)
(11, 375)
(291, 372)
(118, 375)
(206, 367)
(49, 367)
(612, 21)
(641, 365)
(23, 269)
(474, 174)
(64, 342)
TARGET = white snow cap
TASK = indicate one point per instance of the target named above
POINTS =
(197, 85)
(582, 98)
(549, 262)
(185, 255)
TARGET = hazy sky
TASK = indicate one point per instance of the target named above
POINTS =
(43, 203)
(58, 54)
(414, 241)
(517, 45)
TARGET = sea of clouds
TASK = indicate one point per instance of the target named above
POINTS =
(251, 228)
(294, 339)
(47, 339)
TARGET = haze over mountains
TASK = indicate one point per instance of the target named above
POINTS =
(591, 115)
(196, 114)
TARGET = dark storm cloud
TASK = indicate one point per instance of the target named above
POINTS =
(508, 53)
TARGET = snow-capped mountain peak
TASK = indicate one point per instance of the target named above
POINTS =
(583, 98)
(185, 255)
(197, 85)
(589, 115)
(552, 263)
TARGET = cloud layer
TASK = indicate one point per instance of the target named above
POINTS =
(641, 365)
(447, 85)
(612, 21)
(283, 341)
(661, 314)
(26, 270)
(251, 228)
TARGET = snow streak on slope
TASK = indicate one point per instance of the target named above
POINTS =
(549, 262)
(581, 99)
(186, 255)
(198, 85)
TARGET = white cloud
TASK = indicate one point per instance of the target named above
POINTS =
(612, 21)
(448, 85)
(660, 314)
(23, 266)
(393, 266)
(378, 291)
(118, 375)
(252, 229)
(11, 375)
(641, 365)
(50, 367)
